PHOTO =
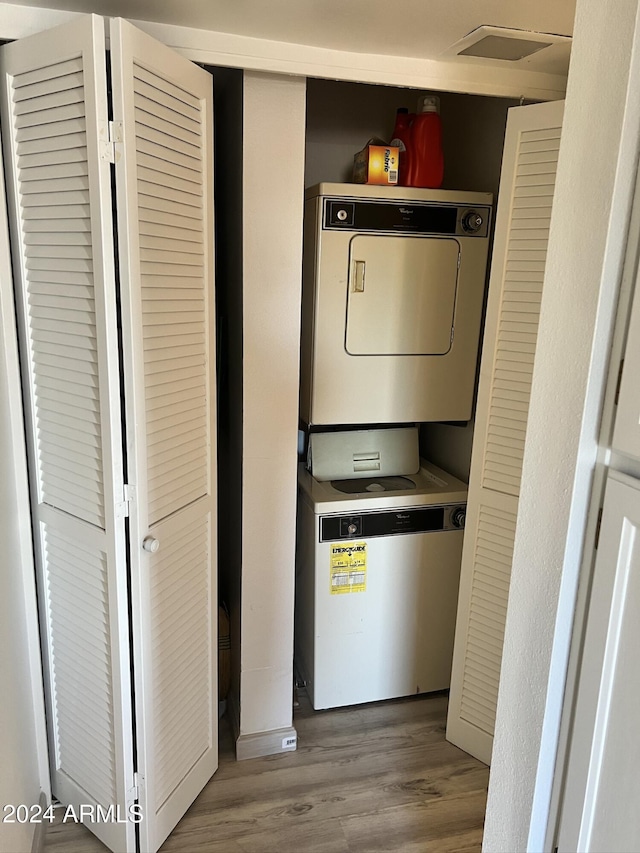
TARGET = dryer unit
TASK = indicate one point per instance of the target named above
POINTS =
(393, 288)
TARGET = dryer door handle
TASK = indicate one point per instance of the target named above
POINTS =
(358, 277)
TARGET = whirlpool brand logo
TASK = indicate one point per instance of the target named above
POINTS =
(402, 516)
(405, 209)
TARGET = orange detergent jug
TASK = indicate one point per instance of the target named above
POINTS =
(427, 161)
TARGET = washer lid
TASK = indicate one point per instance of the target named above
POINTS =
(362, 453)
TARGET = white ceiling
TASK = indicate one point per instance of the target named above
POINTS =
(414, 28)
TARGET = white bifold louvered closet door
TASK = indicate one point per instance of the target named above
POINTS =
(527, 184)
(116, 309)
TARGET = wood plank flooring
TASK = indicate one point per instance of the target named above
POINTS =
(364, 779)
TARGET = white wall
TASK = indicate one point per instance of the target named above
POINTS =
(273, 180)
(23, 756)
(586, 247)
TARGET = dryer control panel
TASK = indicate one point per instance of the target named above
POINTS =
(415, 218)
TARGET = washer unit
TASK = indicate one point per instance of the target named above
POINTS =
(393, 287)
(377, 573)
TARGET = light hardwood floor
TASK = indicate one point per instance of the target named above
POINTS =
(367, 779)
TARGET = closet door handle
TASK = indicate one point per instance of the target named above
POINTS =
(358, 277)
(151, 544)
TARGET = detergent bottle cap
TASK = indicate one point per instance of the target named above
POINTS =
(429, 104)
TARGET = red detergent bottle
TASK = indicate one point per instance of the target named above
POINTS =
(401, 138)
(427, 161)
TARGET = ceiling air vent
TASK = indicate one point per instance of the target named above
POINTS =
(501, 47)
(522, 48)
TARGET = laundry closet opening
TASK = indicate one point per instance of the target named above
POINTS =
(383, 495)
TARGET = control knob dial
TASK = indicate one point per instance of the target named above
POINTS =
(472, 222)
(459, 516)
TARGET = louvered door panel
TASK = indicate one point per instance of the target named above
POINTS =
(54, 115)
(164, 190)
(76, 582)
(517, 272)
(62, 325)
(487, 612)
(520, 311)
(168, 124)
(172, 271)
(180, 605)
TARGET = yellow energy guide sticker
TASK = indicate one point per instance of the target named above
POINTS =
(348, 569)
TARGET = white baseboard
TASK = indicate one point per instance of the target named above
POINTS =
(266, 743)
(37, 845)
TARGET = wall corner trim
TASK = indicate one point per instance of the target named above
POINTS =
(266, 743)
(233, 712)
(37, 845)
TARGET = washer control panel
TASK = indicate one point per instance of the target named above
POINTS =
(350, 526)
(424, 519)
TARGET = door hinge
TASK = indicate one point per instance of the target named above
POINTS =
(598, 526)
(133, 793)
(122, 507)
(619, 383)
(112, 137)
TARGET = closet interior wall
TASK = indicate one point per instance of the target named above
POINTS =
(227, 95)
(342, 117)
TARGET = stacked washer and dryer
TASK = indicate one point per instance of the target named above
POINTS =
(393, 289)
